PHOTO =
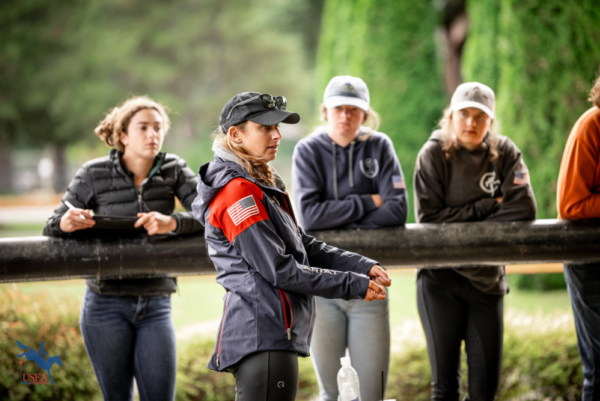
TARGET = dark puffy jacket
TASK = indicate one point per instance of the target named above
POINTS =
(104, 186)
(267, 264)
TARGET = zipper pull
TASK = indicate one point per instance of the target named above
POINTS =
(140, 198)
(218, 359)
(289, 331)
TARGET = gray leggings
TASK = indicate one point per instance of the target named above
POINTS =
(266, 376)
(362, 327)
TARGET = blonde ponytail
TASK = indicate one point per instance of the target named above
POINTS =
(256, 167)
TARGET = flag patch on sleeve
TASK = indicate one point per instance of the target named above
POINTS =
(398, 182)
(521, 178)
(243, 209)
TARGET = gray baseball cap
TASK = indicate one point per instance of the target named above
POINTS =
(345, 90)
(474, 94)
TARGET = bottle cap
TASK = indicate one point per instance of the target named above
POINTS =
(345, 361)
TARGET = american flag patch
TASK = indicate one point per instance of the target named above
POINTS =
(398, 182)
(521, 178)
(242, 209)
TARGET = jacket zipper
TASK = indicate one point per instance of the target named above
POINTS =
(289, 212)
(221, 332)
(312, 311)
(288, 329)
(139, 190)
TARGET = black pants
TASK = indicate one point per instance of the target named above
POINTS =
(266, 376)
(452, 310)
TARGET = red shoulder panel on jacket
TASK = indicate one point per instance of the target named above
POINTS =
(236, 207)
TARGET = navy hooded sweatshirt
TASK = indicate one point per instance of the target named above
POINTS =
(268, 265)
(333, 184)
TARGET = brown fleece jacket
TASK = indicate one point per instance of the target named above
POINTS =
(464, 188)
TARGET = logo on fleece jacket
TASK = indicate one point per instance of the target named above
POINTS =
(369, 167)
(489, 183)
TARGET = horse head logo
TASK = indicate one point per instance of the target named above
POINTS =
(369, 167)
(489, 183)
(44, 364)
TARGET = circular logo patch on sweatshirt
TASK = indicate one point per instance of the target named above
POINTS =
(489, 183)
(369, 167)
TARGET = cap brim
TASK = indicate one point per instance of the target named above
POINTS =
(477, 105)
(335, 101)
(273, 117)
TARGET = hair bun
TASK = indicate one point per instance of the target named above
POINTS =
(106, 127)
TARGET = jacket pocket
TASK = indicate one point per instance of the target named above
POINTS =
(221, 331)
(287, 307)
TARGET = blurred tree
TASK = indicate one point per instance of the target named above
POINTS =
(391, 45)
(32, 35)
(65, 63)
(540, 57)
(453, 32)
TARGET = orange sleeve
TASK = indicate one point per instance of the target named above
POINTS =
(577, 196)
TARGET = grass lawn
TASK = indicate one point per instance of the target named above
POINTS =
(21, 230)
(200, 298)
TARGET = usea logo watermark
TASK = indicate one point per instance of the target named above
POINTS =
(45, 364)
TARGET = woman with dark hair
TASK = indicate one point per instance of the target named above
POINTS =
(347, 176)
(268, 266)
(466, 172)
(126, 324)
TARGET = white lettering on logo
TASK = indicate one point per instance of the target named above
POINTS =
(318, 270)
(489, 183)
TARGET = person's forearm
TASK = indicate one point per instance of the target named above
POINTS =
(588, 208)
(333, 214)
(475, 211)
(391, 214)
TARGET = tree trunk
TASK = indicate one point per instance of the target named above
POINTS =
(59, 157)
(6, 170)
(456, 26)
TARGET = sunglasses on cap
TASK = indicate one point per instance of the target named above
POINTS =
(268, 101)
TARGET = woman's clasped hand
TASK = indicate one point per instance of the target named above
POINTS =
(379, 280)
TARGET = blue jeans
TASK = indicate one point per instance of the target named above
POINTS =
(127, 337)
(583, 283)
(364, 328)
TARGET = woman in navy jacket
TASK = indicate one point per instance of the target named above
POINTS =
(269, 267)
(347, 176)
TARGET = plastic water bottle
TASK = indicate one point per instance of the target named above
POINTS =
(347, 379)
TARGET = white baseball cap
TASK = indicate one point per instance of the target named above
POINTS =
(474, 94)
(345, 90)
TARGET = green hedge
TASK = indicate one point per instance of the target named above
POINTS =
(31, 319)
(538, 282)
(540, 357)
(390, 44)
(540, 56)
